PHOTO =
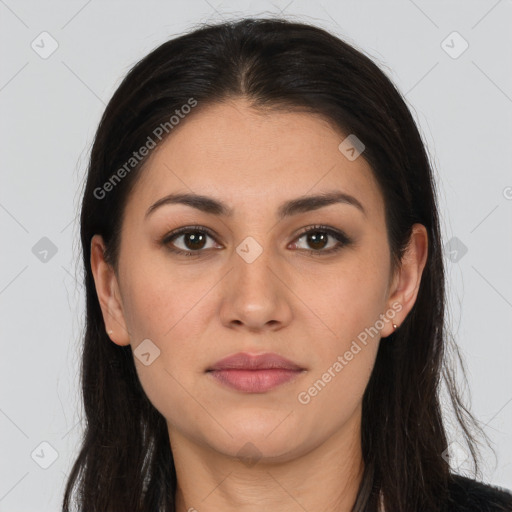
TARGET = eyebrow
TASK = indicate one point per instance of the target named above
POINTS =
(287, 209)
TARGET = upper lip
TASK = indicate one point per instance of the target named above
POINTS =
(245, 361)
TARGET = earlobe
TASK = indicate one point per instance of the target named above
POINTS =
(107, 290)
(408, 279)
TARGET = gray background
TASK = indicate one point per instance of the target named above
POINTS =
(50, 108)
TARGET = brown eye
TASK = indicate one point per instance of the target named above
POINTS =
(193, 240)
(318, 237)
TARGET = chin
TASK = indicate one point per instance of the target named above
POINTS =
(260, 440)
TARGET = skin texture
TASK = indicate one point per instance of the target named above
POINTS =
(307, 308)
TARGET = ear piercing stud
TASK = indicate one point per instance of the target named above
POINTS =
(394, 327)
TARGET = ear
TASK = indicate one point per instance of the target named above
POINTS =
(407, 279)
(109, 297)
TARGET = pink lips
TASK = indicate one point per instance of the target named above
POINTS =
(254, 374)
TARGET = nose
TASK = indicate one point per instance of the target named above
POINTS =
(256, 296)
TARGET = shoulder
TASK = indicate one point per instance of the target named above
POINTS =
(467, 495)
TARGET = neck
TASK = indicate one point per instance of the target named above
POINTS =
(326, 478)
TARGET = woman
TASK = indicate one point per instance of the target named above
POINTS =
(265, 288)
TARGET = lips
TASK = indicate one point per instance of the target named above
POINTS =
(254, 374)
(245, 361)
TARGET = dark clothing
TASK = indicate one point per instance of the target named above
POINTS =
(469, 495)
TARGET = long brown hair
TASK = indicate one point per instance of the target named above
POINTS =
(125, 461)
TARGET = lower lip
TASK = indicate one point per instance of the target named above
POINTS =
(255, 381)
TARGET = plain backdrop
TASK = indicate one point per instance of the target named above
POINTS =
(60, 63)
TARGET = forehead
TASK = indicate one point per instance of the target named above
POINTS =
(241, 155)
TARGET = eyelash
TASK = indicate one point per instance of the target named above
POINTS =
(343, 240)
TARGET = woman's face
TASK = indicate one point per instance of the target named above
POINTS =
(252, 285)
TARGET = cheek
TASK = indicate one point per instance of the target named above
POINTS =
(350, 296)
(158, 298)
(162, 305)
(157, 310)
(170, 394)
(347, 306)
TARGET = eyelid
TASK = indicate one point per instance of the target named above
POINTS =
(187, 229)
(339, 235)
